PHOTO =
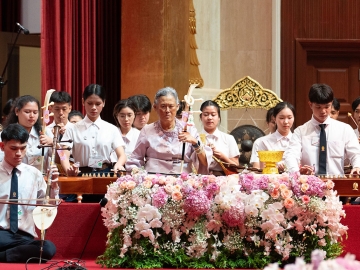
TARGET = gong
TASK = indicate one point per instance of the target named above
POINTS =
(245, 136)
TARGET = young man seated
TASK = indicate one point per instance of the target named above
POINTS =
(22, 183)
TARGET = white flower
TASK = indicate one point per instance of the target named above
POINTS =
(148, 212)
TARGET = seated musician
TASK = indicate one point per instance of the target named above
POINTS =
(17, 231)
(160, 145)
(25, 111)
(283, 113)
(223, 145)
(317, 154)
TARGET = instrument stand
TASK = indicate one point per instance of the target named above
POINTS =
(2, 82)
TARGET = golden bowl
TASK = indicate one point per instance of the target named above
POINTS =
(270, 158)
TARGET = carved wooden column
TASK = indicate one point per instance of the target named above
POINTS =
(154, 47)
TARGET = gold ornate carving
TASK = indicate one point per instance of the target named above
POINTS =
(246, 93)
(194, 73)
(355, 186)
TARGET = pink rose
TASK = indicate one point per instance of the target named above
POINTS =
(130, 185)
(305, 199)
(304, 187)
(123, 185)
(330, 184)
(289, 203)
(275, 193)
(285, 193)
(147, 184)
(176, 195)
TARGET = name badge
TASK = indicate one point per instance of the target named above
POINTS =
(95, 162)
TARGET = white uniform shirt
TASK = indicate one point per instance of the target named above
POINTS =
(130, 140)
(274, 141)
(31, 185)
(92, 139)
(223, 142)
(357, 132)
(341, 140)
(33, 155)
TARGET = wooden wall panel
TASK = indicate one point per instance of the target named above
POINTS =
(312, 19)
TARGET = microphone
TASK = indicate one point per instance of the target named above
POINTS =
(103, 202)
(25, 31)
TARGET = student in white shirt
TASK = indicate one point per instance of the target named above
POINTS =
(17, 242)
(303, 152)
(223, 145)
(93, 139)
(25, 111)
(284, 114)
(61, 109)
(124, 114)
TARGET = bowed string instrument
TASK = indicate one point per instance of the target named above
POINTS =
(187, 118)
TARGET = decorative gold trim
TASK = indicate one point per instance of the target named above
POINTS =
(246, 93)
(194, 72)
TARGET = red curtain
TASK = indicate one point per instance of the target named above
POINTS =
(68, 47)
(80, 44)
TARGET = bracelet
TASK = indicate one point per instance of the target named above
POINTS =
(199, 150)
(196, 145)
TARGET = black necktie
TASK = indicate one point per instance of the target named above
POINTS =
(322, 150)
(14, 207)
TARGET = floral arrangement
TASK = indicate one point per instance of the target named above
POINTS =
(318, 263)
(203, 221)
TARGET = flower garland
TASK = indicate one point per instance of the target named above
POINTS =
(203, 221)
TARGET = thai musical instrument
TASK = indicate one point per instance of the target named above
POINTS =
(189, 100)
(45, 120)
(86, 184)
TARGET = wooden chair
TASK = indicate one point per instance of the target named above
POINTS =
(246, 93)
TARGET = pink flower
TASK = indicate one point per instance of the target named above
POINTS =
(304, 187)
(305, 199)
(285, 193)
(330, 184)
(147, 183)
(288, 203)
(130, 185)
(275, 193)
(235, 215)
(159, 198)
(176, 195)
(196, 203)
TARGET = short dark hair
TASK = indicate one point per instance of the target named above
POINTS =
(60, 97)
(74, 113)
(7, 107)
(124, 103)
(355, 104)
(19, 103)
(15, 132)
(321, 93)
(336, 104)
(142, 103)
(94, 89)
(269, 114)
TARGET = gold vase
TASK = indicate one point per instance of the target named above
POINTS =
(270, 158)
